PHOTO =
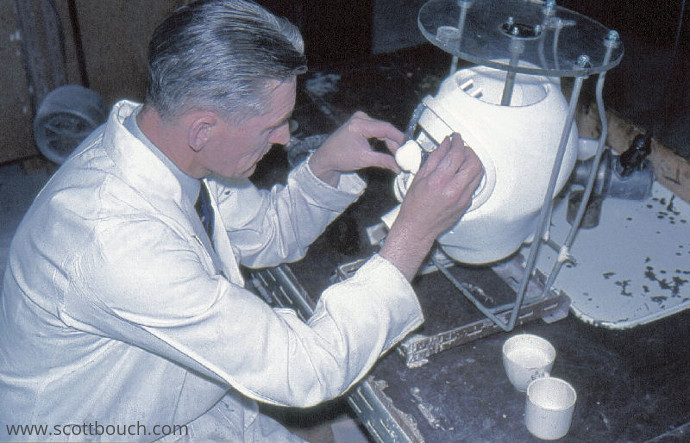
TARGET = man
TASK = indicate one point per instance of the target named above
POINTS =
(120, 310)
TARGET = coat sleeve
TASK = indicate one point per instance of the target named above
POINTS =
(269, 227)
(162, 298)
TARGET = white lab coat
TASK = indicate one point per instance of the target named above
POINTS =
(114, 310)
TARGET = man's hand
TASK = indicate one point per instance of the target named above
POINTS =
(439, 195)
(348, 148)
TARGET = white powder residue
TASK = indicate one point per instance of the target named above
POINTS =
(322, 84)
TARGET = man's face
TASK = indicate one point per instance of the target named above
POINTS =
(235, 149)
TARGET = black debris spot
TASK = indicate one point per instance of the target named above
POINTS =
(659, 299)
(624, 287)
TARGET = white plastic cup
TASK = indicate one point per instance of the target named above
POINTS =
(527, 357)
(549, 408)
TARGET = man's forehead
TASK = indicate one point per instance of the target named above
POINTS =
(282, 100)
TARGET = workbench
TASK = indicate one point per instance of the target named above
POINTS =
(632, 384)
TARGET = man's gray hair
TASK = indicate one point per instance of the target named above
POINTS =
(221, 55)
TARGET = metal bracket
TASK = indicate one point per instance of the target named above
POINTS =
(417, 348)
(383, 420)
(279, 287)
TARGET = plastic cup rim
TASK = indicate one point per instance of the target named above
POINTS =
(510, 341)
(558, 380)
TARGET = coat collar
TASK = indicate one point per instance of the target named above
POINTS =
(138, 163)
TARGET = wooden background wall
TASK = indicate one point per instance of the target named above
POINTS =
(40, 53)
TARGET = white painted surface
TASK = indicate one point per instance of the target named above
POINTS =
(633, 268)
(517, 146)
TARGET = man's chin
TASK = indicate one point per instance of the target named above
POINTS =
(249, 172)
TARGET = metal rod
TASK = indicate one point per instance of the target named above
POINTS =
(464, 6)
(508, 88)
(544, 221)
(611, 42)
(545, 214)
(462, 288)
(516, 49)
(548, 11)
(556, 34)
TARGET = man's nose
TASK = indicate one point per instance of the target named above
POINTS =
(281, 135)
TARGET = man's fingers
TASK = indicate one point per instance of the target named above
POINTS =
(368, 127)
(468, 176)
(448, 157)
(432, 162)
(393, 145)
(382, 160)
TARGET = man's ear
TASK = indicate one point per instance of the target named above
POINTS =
(200, 130)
